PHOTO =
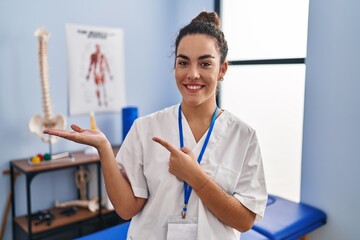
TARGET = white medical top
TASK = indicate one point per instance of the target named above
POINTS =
(232, 159)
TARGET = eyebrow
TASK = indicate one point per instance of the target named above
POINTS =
(200, 58)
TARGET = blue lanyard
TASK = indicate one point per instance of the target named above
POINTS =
(187, 188)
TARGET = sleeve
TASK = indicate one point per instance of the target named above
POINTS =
(130, 161)
(251, 187)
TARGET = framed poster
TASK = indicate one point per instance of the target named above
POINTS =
(96, 69)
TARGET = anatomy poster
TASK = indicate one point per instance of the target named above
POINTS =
(96, 69)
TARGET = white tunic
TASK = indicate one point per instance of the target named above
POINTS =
(232, 159)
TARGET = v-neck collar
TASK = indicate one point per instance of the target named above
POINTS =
(218, 131)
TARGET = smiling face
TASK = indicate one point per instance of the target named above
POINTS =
(198, 69)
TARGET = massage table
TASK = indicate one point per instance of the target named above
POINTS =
(283, 220)
(288, 220)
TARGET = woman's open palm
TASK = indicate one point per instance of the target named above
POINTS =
(90, 137)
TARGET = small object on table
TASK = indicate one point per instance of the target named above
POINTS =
(42, 216)
(60, 155)
(41, 156)
(92, 121)
(35, 159)
(47, 156)
(92, 205)
(69, 211)
(82, 177)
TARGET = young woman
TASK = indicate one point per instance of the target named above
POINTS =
(190, 171)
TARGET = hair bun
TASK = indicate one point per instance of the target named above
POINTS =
(208, 17)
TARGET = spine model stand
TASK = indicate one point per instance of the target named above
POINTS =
(38, 123)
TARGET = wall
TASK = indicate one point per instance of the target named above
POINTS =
(150, 28)
(332, 116)
(331, 146)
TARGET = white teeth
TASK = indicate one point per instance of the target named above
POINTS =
(194, 87)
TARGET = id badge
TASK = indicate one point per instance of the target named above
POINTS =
(182, 229)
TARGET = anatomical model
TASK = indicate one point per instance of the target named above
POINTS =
(38, 123)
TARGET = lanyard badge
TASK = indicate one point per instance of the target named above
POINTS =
(187, 188)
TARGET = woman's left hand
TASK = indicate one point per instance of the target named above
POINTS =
(182, 162)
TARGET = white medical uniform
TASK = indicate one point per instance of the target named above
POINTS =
(232, 159)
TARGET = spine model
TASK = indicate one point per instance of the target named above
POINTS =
(38, 123)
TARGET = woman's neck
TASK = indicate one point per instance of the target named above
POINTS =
(198, 117)
(201, 112)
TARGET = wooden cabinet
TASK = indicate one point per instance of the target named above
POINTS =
(62, 227)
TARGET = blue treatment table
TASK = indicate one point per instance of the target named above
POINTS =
(287, 220)
(283, 220)
(252, 235)
(118, 232)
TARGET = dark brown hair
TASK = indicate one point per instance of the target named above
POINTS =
(207, 23)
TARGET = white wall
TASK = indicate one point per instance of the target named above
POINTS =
(270, 98)
(331, 146)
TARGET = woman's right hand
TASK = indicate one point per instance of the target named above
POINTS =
(90, 137)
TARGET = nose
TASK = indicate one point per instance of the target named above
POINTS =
(193, 73)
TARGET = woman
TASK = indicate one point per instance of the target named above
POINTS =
(190, 171)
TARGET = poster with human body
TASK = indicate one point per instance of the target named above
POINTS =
(96, 69)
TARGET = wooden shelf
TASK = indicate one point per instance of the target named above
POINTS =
(60, 223)
(59, 220)
(80, 158)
